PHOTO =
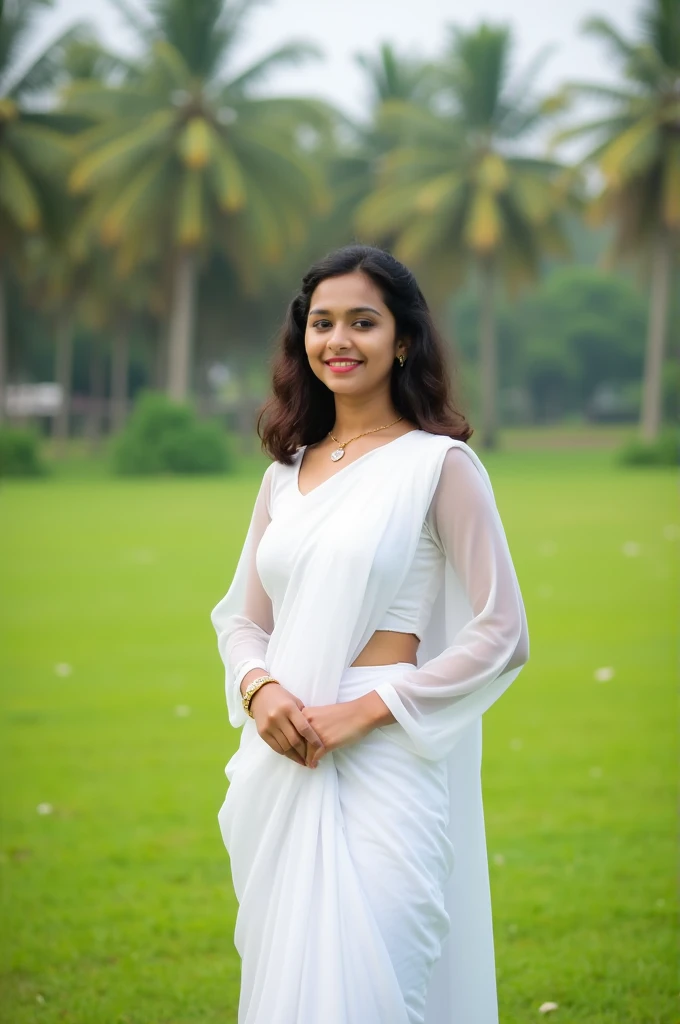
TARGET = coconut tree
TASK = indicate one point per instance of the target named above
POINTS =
(456, 195)
(182, 157)
(34, 154)
(635, 144)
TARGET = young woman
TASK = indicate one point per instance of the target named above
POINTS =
(373, 616)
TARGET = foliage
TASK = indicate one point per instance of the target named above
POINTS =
(34, 153)
(181, 155)
(453, 191)
(634, 141)
(162, 436)
(664, 451)
(20, 453)
(580, 329)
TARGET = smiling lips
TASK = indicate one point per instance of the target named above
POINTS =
(342, 365)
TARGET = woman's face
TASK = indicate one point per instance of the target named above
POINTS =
(349, 324)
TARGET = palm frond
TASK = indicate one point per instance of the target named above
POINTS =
(130, 208)
(291, 54)
(18, 197)
(48, 65)
(43, 150)
(123, 153)
(603, 28)
(631, 152)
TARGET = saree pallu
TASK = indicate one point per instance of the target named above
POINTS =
(363, 884)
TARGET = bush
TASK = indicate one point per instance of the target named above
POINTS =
(163, 436)
(665, 451)
(20, 453)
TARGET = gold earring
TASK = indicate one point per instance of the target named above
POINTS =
(401, 360)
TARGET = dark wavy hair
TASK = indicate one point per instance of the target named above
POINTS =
(301, 409)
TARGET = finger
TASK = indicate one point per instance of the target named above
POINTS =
(294, 738)
(315, 746)
(293, 755)
(271, 740)
(287, 750)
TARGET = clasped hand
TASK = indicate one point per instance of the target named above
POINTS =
(305, 734)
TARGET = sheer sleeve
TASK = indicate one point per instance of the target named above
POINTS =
(243, 619)
(435, 701)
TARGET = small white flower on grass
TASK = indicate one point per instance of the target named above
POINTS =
(44, 808)
(516, 744)
(671, 531)
(182, 710)
(547, 548)
(603, 675)
(498, 859)
(548, 1007)
(631, 549)
(595, 772)
(63, 669)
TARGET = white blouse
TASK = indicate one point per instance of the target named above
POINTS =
(461, 526)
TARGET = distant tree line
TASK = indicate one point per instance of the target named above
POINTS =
(156, 211)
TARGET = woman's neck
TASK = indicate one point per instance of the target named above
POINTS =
(355, 417)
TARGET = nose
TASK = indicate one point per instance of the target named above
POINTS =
(338, 339)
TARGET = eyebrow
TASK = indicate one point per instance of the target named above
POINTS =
(355, 309)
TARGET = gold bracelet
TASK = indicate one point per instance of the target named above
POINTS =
(252, 689)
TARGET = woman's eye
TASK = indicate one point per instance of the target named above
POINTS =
(325, 323)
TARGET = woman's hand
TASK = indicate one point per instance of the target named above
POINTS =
(338, 725)
(282, 724)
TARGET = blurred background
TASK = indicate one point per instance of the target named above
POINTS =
(168, 171)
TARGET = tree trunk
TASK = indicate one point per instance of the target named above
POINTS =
(3, 344)
(63, 372)
(159, 362)
(652, 397)
(96, 404)
(120, 359)
(181, 325)
(488, 356)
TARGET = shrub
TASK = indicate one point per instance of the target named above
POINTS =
(162, 436)
(665, 451)
(20, 453)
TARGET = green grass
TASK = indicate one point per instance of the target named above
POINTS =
(117, 906)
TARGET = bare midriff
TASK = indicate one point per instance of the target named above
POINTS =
(387, 647)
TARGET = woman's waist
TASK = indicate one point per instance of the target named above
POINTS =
(356, 680)
(387, 646)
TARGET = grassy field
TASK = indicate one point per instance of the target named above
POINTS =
(117, 904)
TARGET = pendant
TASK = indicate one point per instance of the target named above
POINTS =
(337, 454)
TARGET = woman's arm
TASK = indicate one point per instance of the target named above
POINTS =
(434, 702)
(243, 638)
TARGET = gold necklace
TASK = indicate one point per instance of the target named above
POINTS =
(340, 450)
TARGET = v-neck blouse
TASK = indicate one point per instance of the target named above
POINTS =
(412, 606)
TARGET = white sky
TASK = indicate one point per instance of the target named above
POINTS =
(345, 27)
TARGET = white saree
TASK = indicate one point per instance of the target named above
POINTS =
(363, 885)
